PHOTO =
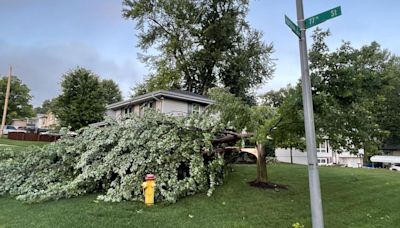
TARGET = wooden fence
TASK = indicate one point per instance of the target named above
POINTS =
(32, 137)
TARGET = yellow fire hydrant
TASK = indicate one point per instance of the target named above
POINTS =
(148, 189)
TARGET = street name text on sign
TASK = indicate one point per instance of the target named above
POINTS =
(324, 16)
(292, 26)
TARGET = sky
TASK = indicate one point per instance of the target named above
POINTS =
(44, 39)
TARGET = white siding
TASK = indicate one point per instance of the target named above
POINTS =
(111, 113)
(283, 155)
(344, 158)
(175, 107)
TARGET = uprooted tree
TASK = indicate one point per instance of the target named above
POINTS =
(258, 121)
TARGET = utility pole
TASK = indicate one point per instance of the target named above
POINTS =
(3, 121)
(313, 174)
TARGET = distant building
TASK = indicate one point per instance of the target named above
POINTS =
(391, 149)
(45, 121)
(172, 102)
(325, 154)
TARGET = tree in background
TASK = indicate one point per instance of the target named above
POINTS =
(19, 100)
(275, 98)
(355, 96)
(348, 89)
(47, 106)
(82, 100)
(112, 93)
(289, 132)
(388, 116)
(201, 44)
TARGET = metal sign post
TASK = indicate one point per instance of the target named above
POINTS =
(313, 174)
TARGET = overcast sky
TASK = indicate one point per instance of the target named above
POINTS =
(43, 39)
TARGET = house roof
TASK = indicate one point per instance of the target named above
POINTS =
(175, 94)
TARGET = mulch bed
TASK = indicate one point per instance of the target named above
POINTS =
(267, 185)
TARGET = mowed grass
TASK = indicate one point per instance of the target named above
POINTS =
(351, 198)
(18, 145)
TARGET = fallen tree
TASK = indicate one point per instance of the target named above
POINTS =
(183, 153)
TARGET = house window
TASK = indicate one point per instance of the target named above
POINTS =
(127, 110)
(321, 160)
(194, 108)
(145, 105)
(322, 147)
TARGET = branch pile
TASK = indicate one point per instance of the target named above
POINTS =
(114, 159)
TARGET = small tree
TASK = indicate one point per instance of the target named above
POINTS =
(82, 100)
(260, 121)
(19, 100)
(289, 133)
(47, 106)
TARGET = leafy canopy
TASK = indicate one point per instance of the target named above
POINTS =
(112, 93)
(199, 44)
(82, 100)
(19, 100)
(354, 94)
(47, 106)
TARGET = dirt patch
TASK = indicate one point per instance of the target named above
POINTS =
(267, 185)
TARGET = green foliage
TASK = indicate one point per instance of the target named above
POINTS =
(82, 100)
(47, 106)
(388, 111)
(115, 158)
(275, 98)
(289, 130)
(111, 91)
(237, 114)
(200, 44)
(19, 100)
(347, 90)
(355, 96)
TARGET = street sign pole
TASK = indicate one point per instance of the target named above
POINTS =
(313, 175)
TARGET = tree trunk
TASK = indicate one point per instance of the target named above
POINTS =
(291, 155)
(261, 164)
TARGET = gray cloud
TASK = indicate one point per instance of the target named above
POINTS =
(41, 67)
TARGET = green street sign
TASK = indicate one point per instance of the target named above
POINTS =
(292, 26)
(319, 18)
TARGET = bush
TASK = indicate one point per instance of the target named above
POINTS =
(115, 158)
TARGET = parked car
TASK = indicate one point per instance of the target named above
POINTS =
(8, 128)
(395, 167)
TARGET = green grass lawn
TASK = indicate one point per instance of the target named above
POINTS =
(18, 144)
(351, 198)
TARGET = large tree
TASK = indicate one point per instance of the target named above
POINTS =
(19, 100)
(82, 100)
(388, 111)
(354, 95)
(348, 88)
(200, 44)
